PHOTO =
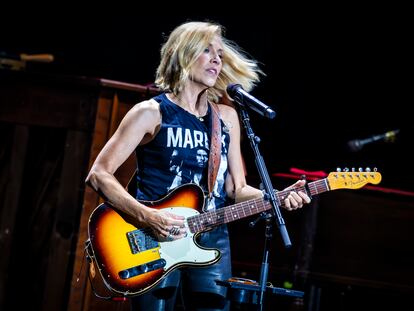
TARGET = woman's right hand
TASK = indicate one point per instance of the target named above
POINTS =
(166, 225)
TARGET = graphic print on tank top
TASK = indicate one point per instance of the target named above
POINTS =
(178, 154)
(176, 166)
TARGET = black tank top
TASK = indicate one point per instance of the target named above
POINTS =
(178, 154)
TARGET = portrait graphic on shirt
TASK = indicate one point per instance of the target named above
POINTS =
(202, 159)
(175, 168)
(185, 174)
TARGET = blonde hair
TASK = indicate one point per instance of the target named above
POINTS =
(186, 43)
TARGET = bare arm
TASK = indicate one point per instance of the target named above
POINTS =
(236, 185)
(138, 126)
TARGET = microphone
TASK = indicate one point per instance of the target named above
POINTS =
(358, 144)
(239, 95)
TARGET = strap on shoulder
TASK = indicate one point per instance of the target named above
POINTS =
(215, 148)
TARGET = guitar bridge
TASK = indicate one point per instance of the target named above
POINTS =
(141, 240)
(141, 269)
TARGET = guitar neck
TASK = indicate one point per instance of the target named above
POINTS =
(248, 208)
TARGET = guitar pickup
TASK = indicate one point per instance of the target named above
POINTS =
(141, 269)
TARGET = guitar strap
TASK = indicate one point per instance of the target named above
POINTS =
(215, 148)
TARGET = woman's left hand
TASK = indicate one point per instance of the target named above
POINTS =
(296, 199)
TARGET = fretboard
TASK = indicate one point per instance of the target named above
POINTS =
(248, 208)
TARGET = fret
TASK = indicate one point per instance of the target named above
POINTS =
(190, 226)
(244, 209)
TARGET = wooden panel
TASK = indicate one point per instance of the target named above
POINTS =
(109, 114)
(46, 101)
(37, 207)
(79, 285)
(13, 152)
(52, 128)
(70, 196)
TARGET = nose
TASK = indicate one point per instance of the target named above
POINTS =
(215, 58)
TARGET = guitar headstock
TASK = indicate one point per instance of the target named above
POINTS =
(353, 180)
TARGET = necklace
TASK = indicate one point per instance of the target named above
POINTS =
(183, 104)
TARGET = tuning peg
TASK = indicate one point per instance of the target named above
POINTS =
(353, 169)
(338, 169)
(368, 169)
(360, 169)
(346, 169)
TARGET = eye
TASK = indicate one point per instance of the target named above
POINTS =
(207, 50)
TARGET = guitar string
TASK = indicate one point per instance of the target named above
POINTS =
(231, 213)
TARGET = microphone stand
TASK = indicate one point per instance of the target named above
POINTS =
(264, 176)
(270, 196)
(246, 292)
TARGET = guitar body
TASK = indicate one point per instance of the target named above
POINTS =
(130, 260)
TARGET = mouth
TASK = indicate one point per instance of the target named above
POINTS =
(212, 71)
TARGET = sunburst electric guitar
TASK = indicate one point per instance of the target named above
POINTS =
(131, 261)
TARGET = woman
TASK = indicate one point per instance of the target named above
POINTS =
(197, 64)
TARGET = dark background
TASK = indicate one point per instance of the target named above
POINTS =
(332, 76)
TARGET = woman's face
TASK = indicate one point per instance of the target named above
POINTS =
(208, 65)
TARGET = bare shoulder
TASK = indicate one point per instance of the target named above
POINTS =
(229, 116)
(144, 116)
(148, 107)
(228, 113)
